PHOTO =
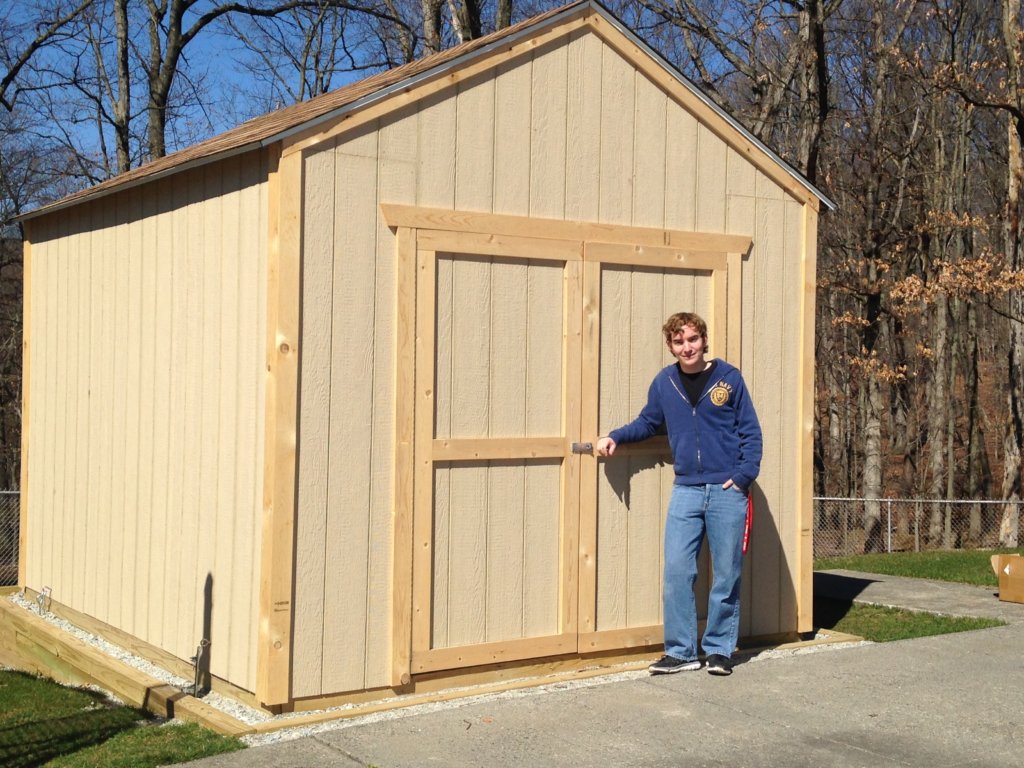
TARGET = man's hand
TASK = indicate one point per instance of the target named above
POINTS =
(606, 447)
(728, 484)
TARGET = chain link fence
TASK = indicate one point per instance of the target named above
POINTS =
(10, 512)
(854, 526)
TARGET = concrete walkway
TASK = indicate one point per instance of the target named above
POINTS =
(952, 700)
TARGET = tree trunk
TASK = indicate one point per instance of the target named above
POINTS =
(1014, 434)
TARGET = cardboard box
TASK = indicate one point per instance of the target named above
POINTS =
(1010, 571)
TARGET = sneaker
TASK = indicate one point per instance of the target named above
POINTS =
(719, 665)
(666, 665)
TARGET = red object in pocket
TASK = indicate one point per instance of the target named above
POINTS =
(750, 522)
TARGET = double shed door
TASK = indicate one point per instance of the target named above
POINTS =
(524, 544)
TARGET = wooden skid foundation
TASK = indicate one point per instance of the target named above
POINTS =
(31, 643)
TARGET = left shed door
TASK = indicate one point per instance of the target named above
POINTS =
(496, 540)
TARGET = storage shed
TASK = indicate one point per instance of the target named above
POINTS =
(322, 390)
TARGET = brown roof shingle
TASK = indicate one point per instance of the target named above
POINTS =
(268, 128)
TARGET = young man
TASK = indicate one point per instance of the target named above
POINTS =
(716, 447)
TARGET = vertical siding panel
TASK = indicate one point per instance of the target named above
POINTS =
(616, 175)
(73, 507)
(435, 136)
(512, 138)
(248, 425)
(98, 423)
(148, 438)
(175, 322)
(132, 337)
(583, 127)
(503, 484)
(352, 396)
(711, 180)
(471, 354)
(649, 154)
(48, 511)
(311, 561)
(548, 133)
(767, 374)
(507, 417)
(226, 509)
(680, 168)
(42, 511)
(117, 598)
(792, 419)
(396, 182)
(616, 407)
(543, 417)
(207, 580)
(474, 146)
(643, 536)
(82, 436)
(191, 437)
(541, 549)
(455, 164)
(740, 220)
(381, 545)
(38, 380)
(63, 532)
(166, 411)
(108, 513)
(443, 374)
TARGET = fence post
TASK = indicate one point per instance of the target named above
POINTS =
(888, 523)
(917, 526)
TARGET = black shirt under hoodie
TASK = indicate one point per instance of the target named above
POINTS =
(694, 383)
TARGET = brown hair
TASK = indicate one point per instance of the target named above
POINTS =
(680, 320)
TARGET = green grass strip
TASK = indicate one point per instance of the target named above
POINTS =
(44, 723)
(882, 625)
(962, 566)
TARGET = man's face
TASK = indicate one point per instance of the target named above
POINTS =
(687, 346)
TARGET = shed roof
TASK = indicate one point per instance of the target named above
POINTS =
(279, 125)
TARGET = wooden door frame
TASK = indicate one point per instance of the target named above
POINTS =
(419, 231)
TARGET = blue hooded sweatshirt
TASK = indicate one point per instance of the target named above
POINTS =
(716, 439)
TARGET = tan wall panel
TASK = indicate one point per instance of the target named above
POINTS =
(649, 145)
(768, 260)
(544, 355)
(512, 92)
(314, 422)
(148, 476)
(680, 163)
(790, 446)
(474, 160)
(616, 174)
(548, 133)
(583, 128)
(395, 182)
(353, 378)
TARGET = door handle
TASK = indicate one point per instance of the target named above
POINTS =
(587, 448)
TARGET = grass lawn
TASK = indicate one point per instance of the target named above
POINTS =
(883, 624)
(46, 724)
(963, 566)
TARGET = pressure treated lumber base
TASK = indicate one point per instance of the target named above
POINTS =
(31, 643)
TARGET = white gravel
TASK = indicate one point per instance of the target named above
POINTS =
(252, 716)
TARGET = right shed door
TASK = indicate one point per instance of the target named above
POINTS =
(629, 292)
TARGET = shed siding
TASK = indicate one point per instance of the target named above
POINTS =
(571, 131)
(145, 442)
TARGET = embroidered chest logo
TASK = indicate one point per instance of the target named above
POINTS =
(720, 393)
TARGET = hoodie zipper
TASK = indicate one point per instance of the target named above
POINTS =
(696, 423)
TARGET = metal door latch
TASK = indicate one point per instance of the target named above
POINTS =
(582, 447)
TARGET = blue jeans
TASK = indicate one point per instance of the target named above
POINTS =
(722, 514)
